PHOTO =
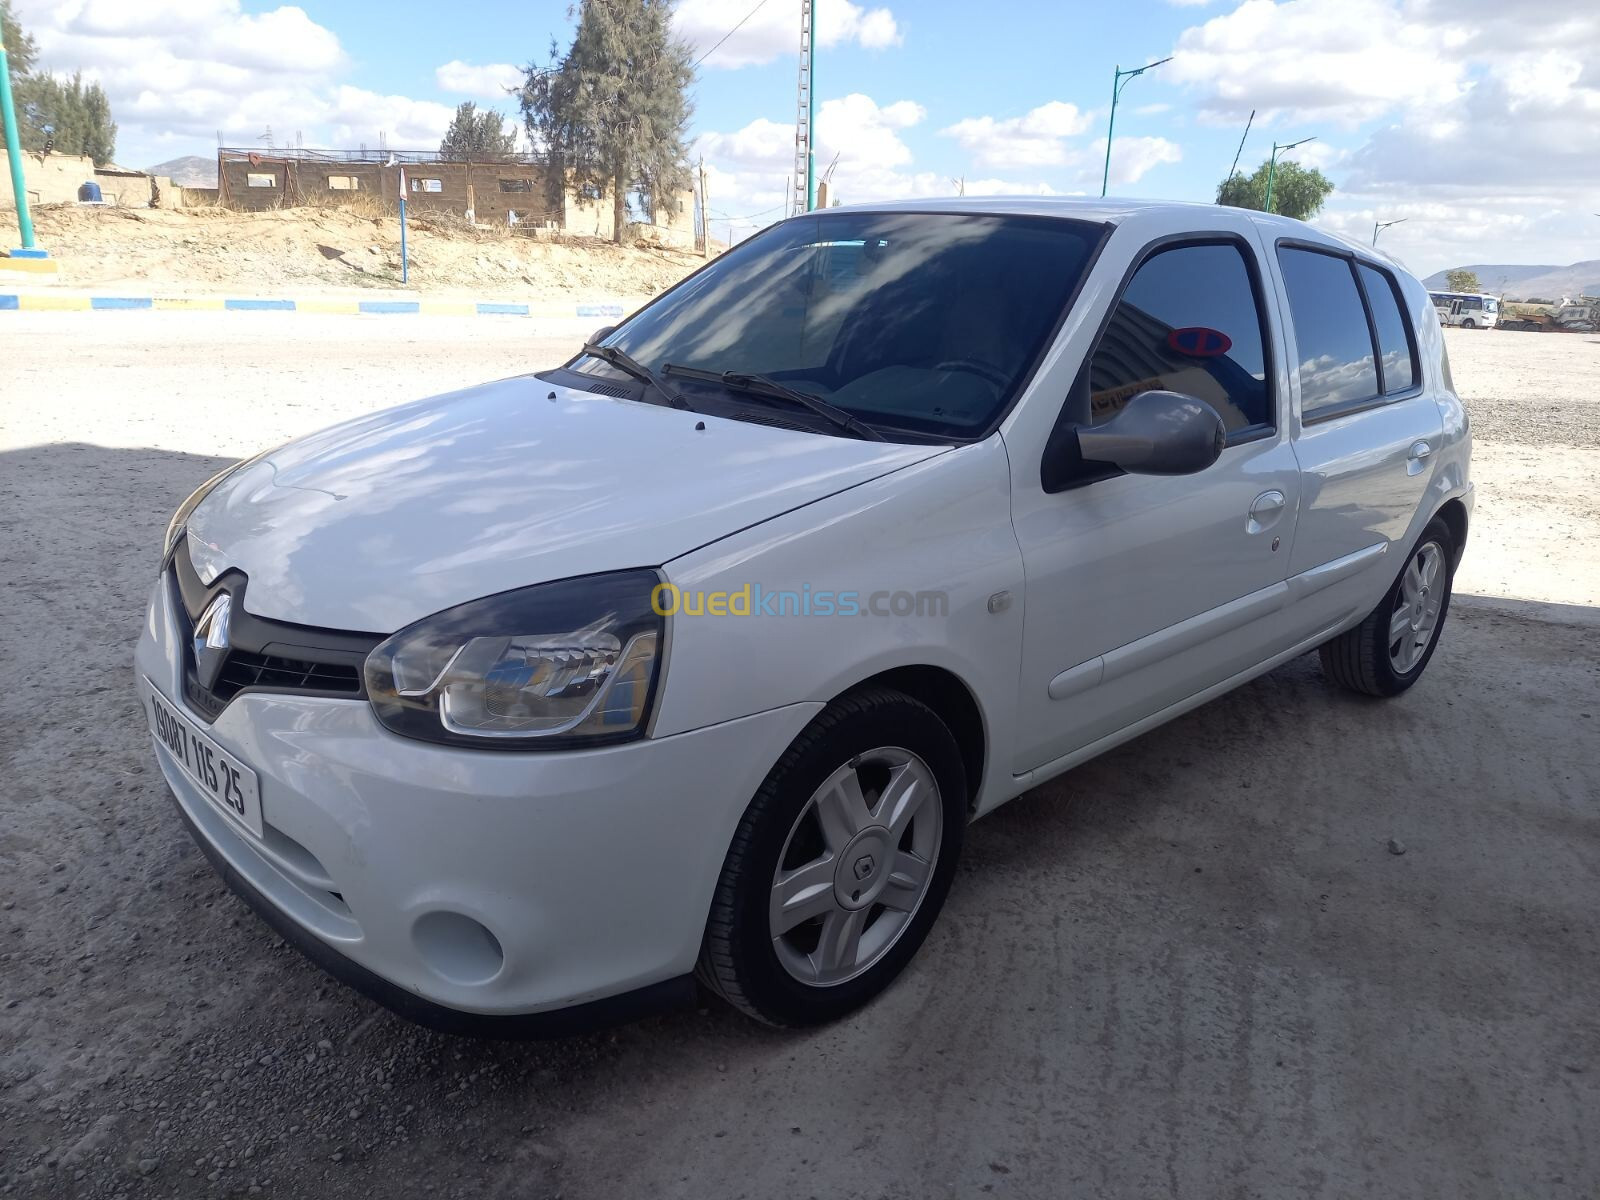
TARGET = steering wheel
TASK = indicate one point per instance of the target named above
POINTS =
(973, 366)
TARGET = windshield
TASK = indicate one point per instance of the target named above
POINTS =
(918, 322)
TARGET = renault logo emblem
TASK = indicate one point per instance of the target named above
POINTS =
(211, 639)
(864, 866)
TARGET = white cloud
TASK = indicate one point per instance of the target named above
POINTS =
(1339, 61)
(491, 79)
(1132, 158)
(748, 168)
(406, 123)
(1035, 139)
(774, 29)
(854, 128)
(1488, 136)
(180, 71)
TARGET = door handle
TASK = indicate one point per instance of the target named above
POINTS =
(1415, 456)
(1265, 510)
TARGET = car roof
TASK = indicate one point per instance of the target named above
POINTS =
(1114, 211)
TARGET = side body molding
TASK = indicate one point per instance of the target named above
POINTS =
(1225, 618)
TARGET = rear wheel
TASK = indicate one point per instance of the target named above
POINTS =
(841, 863)
(1469, 323)
(1387, 652)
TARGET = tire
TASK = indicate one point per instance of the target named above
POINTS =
(846, 921)
(1365, 659)
(1469, 323)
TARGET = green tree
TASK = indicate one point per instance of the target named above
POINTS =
(614, 110)
(1297, 191)
(20, 48)
(75, 115)
(1462, 280)
(477, 136)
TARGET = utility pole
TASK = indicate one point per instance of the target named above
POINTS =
(19, 185)
(1117, 82)
(1272, 165)
(805, 157)
(705, 211)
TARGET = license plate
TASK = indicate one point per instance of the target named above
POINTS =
(221, 778)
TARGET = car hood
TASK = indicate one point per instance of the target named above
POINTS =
(377, 522)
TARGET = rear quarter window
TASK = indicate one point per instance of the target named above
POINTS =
(1397, 356)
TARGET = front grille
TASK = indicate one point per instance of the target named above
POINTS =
(266, 655)
(246, 669)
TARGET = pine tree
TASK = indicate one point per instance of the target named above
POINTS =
(75, 116)
(20, 48)
(614, 111)
(69, 117)
(477, 136)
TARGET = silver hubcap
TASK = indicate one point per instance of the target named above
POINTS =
(856, 866)
(1416, 607)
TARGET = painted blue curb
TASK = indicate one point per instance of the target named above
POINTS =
(58, 302)
(35, 252)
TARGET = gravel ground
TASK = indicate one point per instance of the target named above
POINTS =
(1197, 965)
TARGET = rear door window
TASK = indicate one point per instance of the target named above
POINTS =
(1189, 321)
(1337, 365)
(1397, 360)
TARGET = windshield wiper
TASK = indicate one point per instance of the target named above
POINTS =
(765, 385)
(628, 365)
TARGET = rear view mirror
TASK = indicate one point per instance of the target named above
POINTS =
(601, 334)
(1156, 433)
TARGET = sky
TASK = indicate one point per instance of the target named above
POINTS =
(1473, 120)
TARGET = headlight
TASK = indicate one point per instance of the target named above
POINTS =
(559, 664)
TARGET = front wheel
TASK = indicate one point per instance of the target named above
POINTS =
(840, 864)
(1469, 323)
(1387, 652)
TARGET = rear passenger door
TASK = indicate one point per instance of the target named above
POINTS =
(1366, 426)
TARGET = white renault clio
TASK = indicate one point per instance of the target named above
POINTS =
(524, 707)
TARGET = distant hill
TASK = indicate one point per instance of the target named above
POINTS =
(1520, 282)
(189, 171)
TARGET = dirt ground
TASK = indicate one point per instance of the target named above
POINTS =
(1194, 966)
(210, 250)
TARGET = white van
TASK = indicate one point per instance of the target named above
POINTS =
(1470, 310)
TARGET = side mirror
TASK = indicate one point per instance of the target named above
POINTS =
(1156, 433)
(601, 334)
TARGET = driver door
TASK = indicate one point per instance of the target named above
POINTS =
(1144, 590)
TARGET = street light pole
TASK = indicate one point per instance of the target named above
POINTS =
(1379, 226)
(1117, 81)
(1272, 165)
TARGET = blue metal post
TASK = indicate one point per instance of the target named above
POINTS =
(405, 262)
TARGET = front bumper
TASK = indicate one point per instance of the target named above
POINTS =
(385, 858)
